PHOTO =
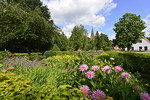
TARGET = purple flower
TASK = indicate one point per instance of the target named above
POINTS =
(144, 96)
(83, 67)
(86, 88)
(105, 68)
(98, 95)
(136, 87)
(95, 68)
(118, 68)
(90, 74)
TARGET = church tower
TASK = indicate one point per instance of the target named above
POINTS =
(92, 34)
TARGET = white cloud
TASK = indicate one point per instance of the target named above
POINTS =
(147, 22)
(67, 29)
(111, 37)
(72, 12)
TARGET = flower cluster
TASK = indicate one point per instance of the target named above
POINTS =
(90, 74)
(145, 96)
(96, 95)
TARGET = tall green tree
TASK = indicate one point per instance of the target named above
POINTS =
(97, 40)
(78, 37)
(22, 31)
(128, 30)
(29, 5)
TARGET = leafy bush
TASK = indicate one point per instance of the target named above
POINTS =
(108, 48)
(49, 53)
(32, 56)
(55, 48)
(14, 87)
(60, 61)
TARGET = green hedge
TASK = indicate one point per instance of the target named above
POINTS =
(137, 62)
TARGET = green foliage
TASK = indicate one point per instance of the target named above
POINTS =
(49, 53)
(108, 48)
(16, 88)
(32, 56)
(97, 41)
(55, 48)
(30, 33)
(59, 61)
(78, 38)
(67, 92)
(129, 29)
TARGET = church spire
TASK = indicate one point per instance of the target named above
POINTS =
(92, 34)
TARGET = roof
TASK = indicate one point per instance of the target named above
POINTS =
(145, 38)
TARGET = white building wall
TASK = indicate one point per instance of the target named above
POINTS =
(143, 44)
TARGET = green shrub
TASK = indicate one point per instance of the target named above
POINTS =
(108, 48)
(55, 48)
(49, 53)
(14, 87)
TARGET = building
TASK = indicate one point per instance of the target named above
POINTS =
(92, 34)
(143, 45)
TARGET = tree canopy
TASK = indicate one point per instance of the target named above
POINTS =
(78, 38)
(128, 30)
(24, 31)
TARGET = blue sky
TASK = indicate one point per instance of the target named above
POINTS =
(102, 14)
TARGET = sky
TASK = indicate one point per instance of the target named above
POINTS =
(101, 14)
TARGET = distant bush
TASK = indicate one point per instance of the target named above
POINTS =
(108, 48)
(49, 53)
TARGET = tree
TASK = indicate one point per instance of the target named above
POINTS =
(77, 38)
(97, 40)
(129, 29)
(29, 5)
(22, 31)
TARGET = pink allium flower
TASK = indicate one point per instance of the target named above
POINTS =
(86, 88)
(99, 94)
(118, 68)
(144, 96)
(112, 58)
(105, 68)
(126, 75)
(136, 87)
(95, 68)
(90, 74)
(83, 67)
(109, 72)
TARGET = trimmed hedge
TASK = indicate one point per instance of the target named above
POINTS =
(137, 62)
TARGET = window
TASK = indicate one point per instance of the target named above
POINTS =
(145, 48)
(140, 41)
(132, 48)
(140, 48)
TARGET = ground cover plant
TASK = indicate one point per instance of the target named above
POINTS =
(70, 77)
